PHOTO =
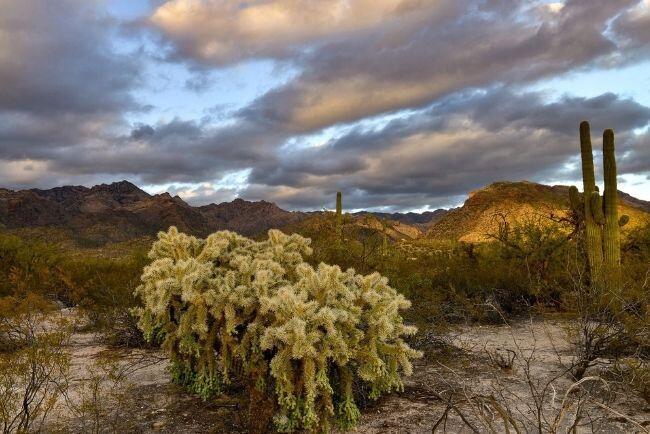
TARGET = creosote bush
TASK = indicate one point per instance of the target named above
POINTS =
(228, 308)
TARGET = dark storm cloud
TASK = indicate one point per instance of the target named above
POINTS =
(422, 159)
(499, 109)
(63, 87)
(56, 58)
(142, 131)
(480, 45)
(177, 151)
(459, 67)
(635, 156)
(455, 146)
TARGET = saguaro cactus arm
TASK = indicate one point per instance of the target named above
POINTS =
(625, 219)
(576, 203)
(588, 177)
(593, 236)
(611, 237)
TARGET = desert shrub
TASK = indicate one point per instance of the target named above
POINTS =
(524, 264)
(528, 399)
(229, 308)
(103, 290)
(612, 323)
(30, 266)
(104, 395)
(21, 317)
(360, 246)
(33, 362)
(534, 249)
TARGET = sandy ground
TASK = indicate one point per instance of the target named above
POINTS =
(464, 360)
(470, 365)
(139, 397)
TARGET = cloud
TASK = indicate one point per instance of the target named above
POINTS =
(633, 27)
(396, 54)
(205, 193)
(452, 76)
(64, 87)
(420, 159)
(181, 151)
(457, 145)
(57, 58)
(220, 32)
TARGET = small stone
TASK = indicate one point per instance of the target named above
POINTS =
(158, 425)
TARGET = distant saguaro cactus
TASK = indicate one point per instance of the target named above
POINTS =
(600, 215)
(339, 215)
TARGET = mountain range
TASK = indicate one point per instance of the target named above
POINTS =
(121, 211)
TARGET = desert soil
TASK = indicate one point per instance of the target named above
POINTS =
(464, 359)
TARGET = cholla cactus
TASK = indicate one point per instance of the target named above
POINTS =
(229, 307)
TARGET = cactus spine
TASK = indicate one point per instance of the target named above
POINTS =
(600, 215)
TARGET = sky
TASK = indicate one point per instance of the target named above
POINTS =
(400, 104)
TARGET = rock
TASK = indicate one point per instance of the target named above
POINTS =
(158, 425)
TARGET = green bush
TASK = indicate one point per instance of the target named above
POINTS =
(229, 308)
(102, 289)
(30, 266)
(34, 364)
(524, 264)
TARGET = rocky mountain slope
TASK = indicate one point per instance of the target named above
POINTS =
(516, 201)
(249, 218)
(422, 221)
(121, 211)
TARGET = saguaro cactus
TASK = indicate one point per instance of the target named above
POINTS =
(600, 216)
(384, 235)
(339, 215)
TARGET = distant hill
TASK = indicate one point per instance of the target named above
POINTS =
(248, 218)
(118, 212)
(121, 211)
(422, 221)
(477, 216)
